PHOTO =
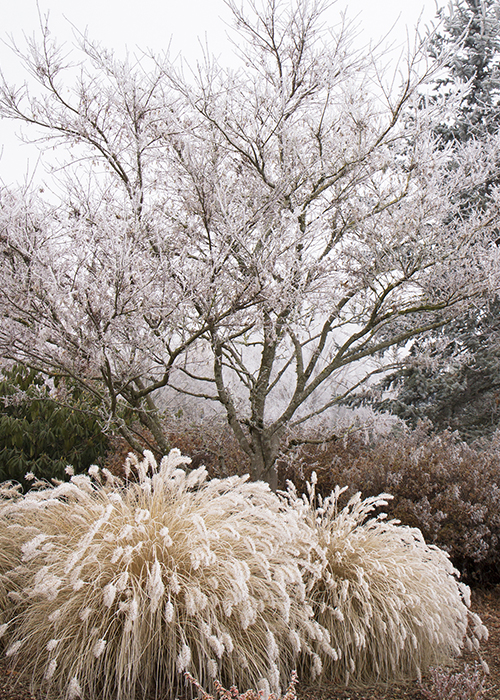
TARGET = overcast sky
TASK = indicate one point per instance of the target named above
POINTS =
(154, 24)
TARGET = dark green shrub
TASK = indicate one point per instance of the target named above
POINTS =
(441, 485)
(38, 434)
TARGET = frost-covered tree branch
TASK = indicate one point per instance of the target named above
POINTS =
(253, 230)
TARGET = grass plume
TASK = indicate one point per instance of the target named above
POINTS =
(392, 605)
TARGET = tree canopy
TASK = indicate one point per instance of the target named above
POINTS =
(452, 376)
(238, 235)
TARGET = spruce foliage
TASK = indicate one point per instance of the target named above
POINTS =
(452, 376)
(475, 26)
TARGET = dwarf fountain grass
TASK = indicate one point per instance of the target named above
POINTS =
(391, 604)
(117, 587)
(123, 586)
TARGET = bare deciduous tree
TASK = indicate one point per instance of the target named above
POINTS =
(241, 234)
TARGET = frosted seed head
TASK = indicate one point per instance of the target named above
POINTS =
(99, 648)
(13, 649)
(133, 613)
(165, 535)
(117, 553)
(171, 461)
(217, 645)
(228, 642)
(54, 616)
(142, 515)
(155, 586)
(174, 584)
(74, 689)
(168, 612)
(109, 594)
(295, 641)
(183, 658)
(85, 614)
(122, 581)
(317, 666)
(125, 532)
(274, 678)
(264, 689)
(30, 549)
(272, 647)
(50, 670)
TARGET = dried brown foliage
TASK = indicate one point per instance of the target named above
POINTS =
(210, 443)
(444, 487)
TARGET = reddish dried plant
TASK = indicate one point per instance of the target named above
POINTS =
(234, 694)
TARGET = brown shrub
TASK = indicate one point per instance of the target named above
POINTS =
(444, 487)
(210, 443)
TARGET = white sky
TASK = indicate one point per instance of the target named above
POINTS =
(153, 24)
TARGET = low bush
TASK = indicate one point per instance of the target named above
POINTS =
(210, 442)
(444, 487)
(468, 684)
(41, 435)
(234, 694)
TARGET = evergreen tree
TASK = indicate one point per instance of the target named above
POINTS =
(452, 376)
(472, 27)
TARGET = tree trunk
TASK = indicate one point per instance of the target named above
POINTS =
(265, 449)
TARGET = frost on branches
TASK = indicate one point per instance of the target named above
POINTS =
(239, 235)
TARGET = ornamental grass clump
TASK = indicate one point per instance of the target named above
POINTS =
(121, 586)
(114, 588)
(10, 552)
(391, 604)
